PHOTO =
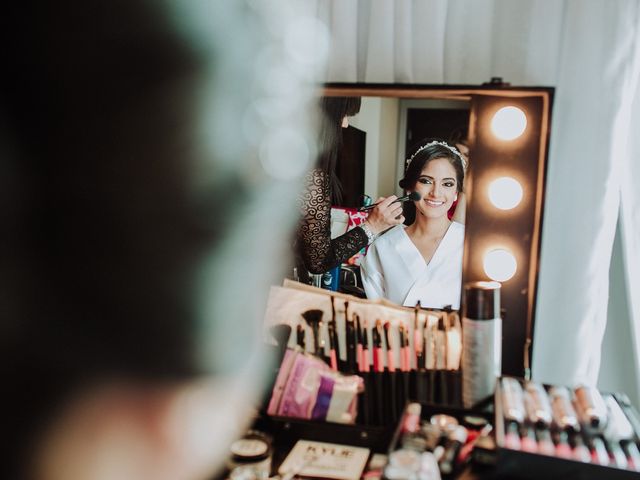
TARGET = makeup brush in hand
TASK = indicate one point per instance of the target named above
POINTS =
(413, 196)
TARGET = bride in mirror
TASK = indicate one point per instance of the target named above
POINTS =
(422, 262)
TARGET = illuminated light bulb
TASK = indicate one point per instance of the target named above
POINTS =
(500, 264)
(505, 193)
(508, 123)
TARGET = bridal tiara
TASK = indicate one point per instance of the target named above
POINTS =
(453, 150)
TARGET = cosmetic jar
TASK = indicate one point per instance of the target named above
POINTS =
(251, 456)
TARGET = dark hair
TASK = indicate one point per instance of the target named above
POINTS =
(333, 110)
(419, 159)
(458, 136)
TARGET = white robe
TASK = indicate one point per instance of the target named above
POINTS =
(395, 269)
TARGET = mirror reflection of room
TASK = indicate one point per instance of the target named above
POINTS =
(372, 149)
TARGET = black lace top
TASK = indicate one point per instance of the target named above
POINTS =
(313, 244)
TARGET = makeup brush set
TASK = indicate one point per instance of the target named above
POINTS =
(400, 354)
(556, 431)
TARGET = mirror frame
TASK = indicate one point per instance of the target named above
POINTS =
(523, 230)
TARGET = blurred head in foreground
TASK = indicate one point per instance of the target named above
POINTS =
(136, 226)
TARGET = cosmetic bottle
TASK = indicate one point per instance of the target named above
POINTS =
(482, 341)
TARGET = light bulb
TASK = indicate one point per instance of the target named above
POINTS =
(500, 264)
(505, 193)
(508, 123)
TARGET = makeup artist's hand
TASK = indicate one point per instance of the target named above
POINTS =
(386, 214)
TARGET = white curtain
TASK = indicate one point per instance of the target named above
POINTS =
(590, 51)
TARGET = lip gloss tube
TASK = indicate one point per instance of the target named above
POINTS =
(537, 405)
(591, 408)
(512, 400)
(564, 415)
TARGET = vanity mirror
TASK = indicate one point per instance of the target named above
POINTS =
(507, 132)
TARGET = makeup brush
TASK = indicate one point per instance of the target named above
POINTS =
(378, 363)
(413, 196)
(314, 319)
(300, 337)
(365, 346)
(387, 344)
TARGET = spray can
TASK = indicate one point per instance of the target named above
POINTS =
(481, 340)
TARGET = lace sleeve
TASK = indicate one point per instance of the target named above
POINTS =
(318, 251)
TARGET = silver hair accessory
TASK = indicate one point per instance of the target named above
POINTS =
(453, 150)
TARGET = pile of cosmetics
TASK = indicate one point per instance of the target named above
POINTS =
(432, 445)
(538, 425)
(399, 359)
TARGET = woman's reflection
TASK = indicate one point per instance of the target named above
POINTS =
(422, 262)
(316, 251)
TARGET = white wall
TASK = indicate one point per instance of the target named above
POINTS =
(378, 117)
